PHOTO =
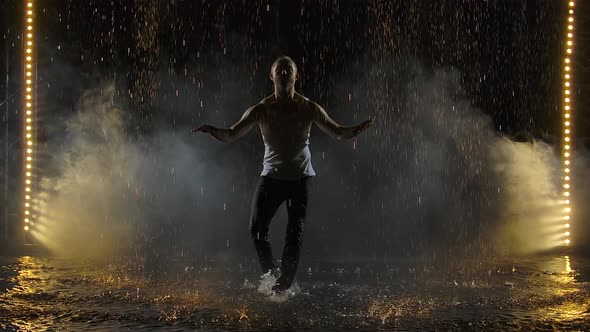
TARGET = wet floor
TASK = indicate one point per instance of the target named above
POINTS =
(544, 293)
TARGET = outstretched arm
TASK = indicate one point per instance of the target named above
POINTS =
(239, 129)
(334, 129)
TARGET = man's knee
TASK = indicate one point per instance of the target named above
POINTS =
(256, 236)
(294, 234)
(254, 233)
(296, 222)
(257, 231)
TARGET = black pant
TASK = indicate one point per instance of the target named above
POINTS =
(269, 195)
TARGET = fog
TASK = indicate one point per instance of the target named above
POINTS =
(432, 177)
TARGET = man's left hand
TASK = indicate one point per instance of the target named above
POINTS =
(363, 126)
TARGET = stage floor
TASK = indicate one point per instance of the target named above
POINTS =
(544, 293)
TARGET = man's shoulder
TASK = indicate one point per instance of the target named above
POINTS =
(308, 103)
(256, 111)
(301, 98)
(260, 106)
(267, 99)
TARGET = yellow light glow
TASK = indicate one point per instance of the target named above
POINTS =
(28, 119)
(567, 116)
(567, 225)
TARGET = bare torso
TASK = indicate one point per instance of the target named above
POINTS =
(285, 128)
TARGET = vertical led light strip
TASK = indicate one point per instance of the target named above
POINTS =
(28, 40)
(567, 107)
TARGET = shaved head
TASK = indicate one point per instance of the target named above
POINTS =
(283, 73)
(283, 60)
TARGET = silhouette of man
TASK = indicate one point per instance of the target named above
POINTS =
(285, 119)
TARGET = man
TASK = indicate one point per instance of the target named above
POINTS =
(285, 119)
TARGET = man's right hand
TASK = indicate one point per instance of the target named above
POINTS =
(204, 128)
(224, 135)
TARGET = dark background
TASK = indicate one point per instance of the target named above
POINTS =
(176, 64)
(509, 53)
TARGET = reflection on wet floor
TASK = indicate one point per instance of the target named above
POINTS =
(545, 293)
